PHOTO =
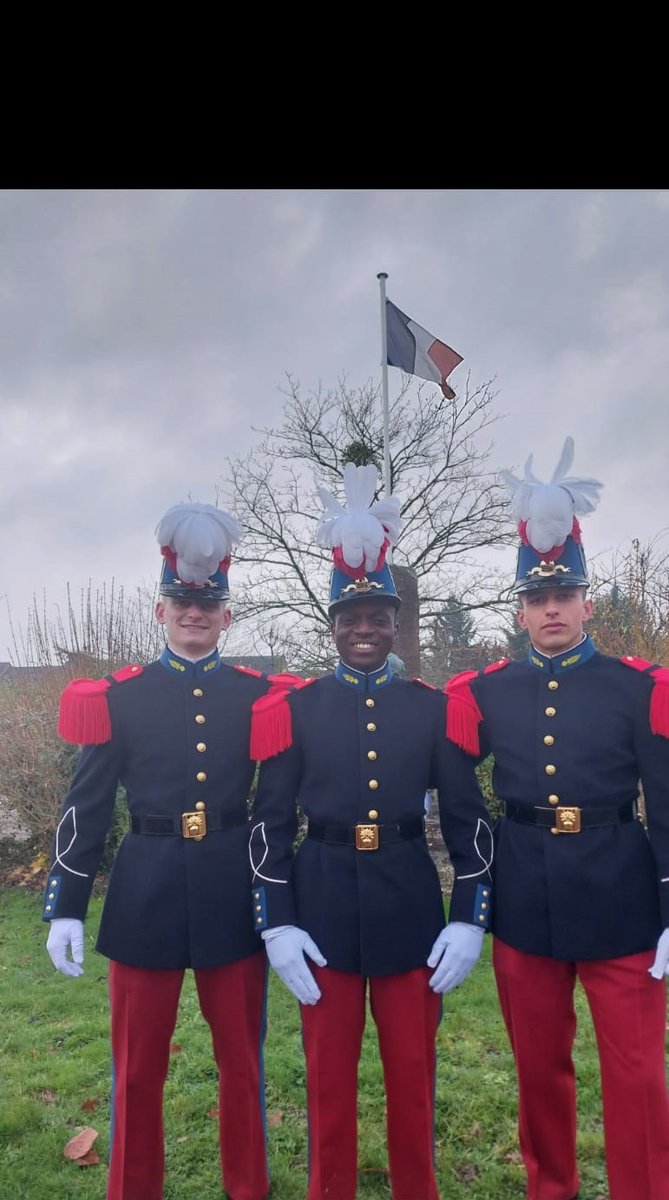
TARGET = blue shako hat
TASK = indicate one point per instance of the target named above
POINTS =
(359, 537)
(373, 585)
(551, 553)
(196, 541)
(564, 567)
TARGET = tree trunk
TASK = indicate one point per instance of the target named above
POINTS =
(408, 645)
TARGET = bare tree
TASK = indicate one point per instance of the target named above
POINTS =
(631, 593)
(452, 506)
(104, 629)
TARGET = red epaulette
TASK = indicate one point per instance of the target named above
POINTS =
(463, 715)
(423, 683)
(271, 721)
(659, 699)
(287, 680)
(83, 717)
(496, 666)
(247, 671)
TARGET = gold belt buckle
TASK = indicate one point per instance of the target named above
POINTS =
(194, 825)
(366, 837)
(567, 820)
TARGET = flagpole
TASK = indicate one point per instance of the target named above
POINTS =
(382, 276)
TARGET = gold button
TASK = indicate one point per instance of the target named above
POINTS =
(373, 784)
(200, 720)
(369, 702)
(553, 684)
(201, 747)
(200, 805)
(555, 830)
(201, 776)
(550, 769)
(48, 908)
(54, 882)
(198, 692)
(258, 920)
(482, 918)
(258, 908)
(52, 895)
(372, 814)
(553, 799)
(371, 728)
(549, 739)
(371, 754)
(550, 712)
(485, 890)
(256, 895)
(484, 906)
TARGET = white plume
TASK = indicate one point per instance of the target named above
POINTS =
(362, 527)
(549, 508)
(201, 536)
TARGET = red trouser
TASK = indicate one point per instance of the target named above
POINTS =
(144, 1007)
(407, 1014)
(628, 1010)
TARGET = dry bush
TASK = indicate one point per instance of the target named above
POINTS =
(105, 631)
(35, 764)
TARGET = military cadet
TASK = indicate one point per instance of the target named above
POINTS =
(176, 735)
(581, 884)
(361, 897)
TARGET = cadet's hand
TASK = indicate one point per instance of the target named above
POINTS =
(66, 932)
(454, 953)
(661, 965)
(286, 947)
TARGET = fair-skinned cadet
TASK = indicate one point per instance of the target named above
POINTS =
(581, 883)
(176, 735)
(357, 911)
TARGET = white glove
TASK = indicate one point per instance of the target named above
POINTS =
(661, 965)
(454, 953)
(66, 932)
(286, 947)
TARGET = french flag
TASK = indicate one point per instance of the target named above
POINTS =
(414, 350)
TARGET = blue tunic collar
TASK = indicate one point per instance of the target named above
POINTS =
(350, 677)
(557, 664)
(193, 670)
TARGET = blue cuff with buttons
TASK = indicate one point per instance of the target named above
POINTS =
(259, 908)
(482, 905)
(51, 898)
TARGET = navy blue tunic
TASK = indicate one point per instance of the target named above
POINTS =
(179, 734)
(365, 749)
(575, 730)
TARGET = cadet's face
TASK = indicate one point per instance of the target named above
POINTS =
(194, 626)
(364, 634)
(554, 617)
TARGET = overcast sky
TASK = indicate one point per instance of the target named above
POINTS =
(144, 332)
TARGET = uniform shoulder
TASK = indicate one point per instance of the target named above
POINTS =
(461, 682)
(422, 683)
(83, 715)
(659, 697)
(637, 664)
(271, 719)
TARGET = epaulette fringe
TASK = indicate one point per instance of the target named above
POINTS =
(463, 715)
(83, 715)
(271, 719)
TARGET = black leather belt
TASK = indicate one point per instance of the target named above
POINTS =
(166, 826)
(569, 818)
(366, 836)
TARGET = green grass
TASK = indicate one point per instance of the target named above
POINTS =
(54, 1056)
